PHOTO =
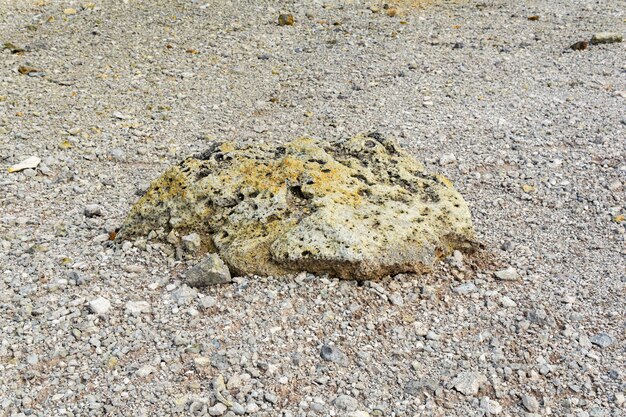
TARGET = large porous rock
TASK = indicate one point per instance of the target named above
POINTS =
(360, 208)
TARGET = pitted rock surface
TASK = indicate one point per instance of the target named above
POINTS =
(357, 209)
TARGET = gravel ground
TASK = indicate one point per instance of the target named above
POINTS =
(531, 132)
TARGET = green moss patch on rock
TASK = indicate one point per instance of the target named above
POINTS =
(361, 208)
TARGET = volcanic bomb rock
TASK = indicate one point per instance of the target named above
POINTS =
(360, 208)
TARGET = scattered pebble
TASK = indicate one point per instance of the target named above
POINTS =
(100, 306)
(144, 371)
(464, 289)
(508, 274)
(396, 299)
(606, 37)
(489, 406)
(286, 20)
(580, 46)
(602, 340)
(447, 159)
(93, 210)
(218, 409)
(211, 270)
(346, 403)
(530, 403)
(468, 382)
(29, 163)
(135, 308)
(333, 354)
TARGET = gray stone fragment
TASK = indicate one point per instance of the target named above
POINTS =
(218, 409)
(530, 403)
(333, 354)
(396, 299)
(234, 381)
(29, 172)
(271, 398)
(359, 413)
(597, 412)
(144, 371)
(117, 154)
(468, 382)
(192, 242)
(421, 387)
(93, 210)
(466, 288)
(198, 408)
(431, 335)
(447, 159)
(489, 406)
(508, 274)
(539, 316)
(135, 308)
(219, 362)
(602, 340)
(77, 277)
(210, 271)
(208, 302)
(346, 403)
(184, 295)
(100, 306)
(238, 409)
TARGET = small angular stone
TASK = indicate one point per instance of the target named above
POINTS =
(208, 302)
(602, 340)
(238, 409)
(346, 403)
(466, 288)
(210, 271)
(468, 383)
(191, 242)
(218, 409)
(135, 308)
(184, 295)
(93, 210)
(286, 19)
(508, 274)
(144, 371)
(100, 306)
(530, 403)
(333, 354)
(271, 398)
(491, 407)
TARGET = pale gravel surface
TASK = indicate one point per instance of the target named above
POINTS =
(514, 107)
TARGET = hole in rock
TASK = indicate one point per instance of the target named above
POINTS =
(296, 190)
(202, 174)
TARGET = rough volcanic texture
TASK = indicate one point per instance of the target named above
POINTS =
(359, 208)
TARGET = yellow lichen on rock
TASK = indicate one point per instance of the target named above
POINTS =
(360, 208)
